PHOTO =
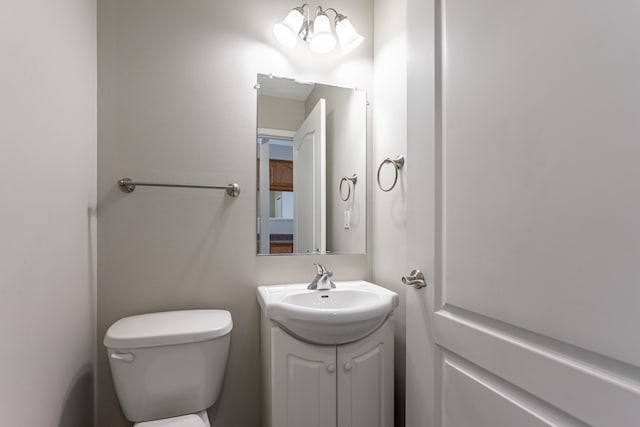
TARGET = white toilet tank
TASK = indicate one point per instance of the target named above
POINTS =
(170, 363)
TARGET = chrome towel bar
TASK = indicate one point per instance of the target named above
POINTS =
(127, 185)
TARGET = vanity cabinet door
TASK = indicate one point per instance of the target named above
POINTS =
(365, 380)
(303, 382)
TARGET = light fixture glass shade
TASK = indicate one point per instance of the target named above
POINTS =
(347, 35)
(323, 41)
(287, 31)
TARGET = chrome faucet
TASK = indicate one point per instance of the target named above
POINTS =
(322, 282)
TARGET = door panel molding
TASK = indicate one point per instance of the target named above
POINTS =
(468, 379)
(556, 372)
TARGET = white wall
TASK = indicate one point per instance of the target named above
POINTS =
(390, 139)
(176, 103)
(47, 226)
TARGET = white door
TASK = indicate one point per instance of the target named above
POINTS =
(523, 167)
(310, 183)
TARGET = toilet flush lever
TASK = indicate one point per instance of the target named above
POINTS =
(125, 357)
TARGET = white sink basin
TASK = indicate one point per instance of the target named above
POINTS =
(347, 313)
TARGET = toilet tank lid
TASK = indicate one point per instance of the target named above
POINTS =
(168, 328)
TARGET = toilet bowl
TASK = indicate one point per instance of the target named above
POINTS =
(168, 367)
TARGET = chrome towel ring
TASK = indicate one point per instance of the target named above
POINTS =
(348, 179)
(397, 163)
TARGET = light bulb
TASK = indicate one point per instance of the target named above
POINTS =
(287, 31)
(347, 35)
(322, 41)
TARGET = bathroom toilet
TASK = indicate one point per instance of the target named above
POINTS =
(168, 367)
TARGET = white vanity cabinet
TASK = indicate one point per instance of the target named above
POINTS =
(311, 385)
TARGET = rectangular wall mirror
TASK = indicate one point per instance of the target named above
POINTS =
(311, 168)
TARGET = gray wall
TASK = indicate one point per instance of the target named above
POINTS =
(390, 139)
(176, 103)
(47, 212)
(280, 113)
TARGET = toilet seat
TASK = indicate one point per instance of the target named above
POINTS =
(190, 420)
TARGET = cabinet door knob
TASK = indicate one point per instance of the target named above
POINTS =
(331, 367)
(347, 366)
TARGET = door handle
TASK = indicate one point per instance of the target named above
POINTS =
(415, 279)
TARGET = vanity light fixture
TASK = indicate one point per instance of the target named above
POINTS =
(317, 32)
